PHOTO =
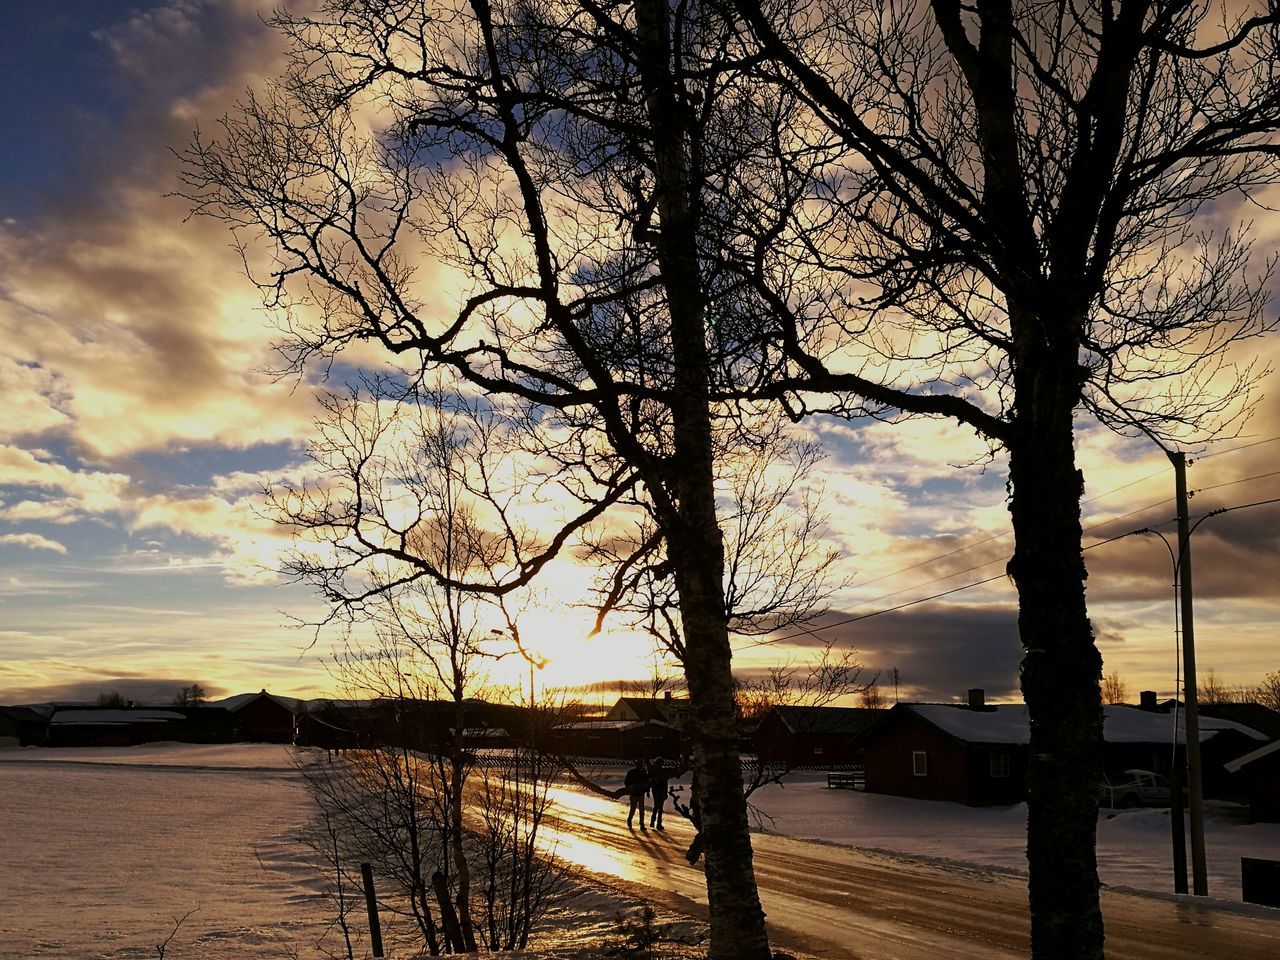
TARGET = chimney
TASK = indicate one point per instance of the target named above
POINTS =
(1147, 700)
(977, 698)
(666, 694)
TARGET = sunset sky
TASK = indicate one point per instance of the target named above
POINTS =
(140, 427)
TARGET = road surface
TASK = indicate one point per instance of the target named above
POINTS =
(836, 902)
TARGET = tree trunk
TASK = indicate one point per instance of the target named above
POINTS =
(695, 545)
(461, 869)
(1061, 666)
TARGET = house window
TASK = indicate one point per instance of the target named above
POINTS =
(920, 763)
(817, 751)
(999, 765)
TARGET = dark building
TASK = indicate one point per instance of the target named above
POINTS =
(667, 709)
(616, 739)
(934, 751)
(263, 717)
(977, 754)
(815, 737)
(23, 727)
(1261, 772)
(114, 726)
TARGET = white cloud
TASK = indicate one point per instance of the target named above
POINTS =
(33, 541)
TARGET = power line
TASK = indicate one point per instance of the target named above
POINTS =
(1246, 446)
(1228, 483)
(969, 586)
(997, 536)
(1084, 532)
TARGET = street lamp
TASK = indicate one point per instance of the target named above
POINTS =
(1175, 768)
(531, 658)
(1191, 721)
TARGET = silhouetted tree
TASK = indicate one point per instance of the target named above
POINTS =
(1114, 689)
(555, 165)
(189, 696)
(1267, 693)
(1210, 690)
(1018, 211)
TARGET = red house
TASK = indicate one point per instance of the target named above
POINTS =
(264, 717)
(940, 751)
(814, 737)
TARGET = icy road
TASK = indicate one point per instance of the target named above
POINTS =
(838, 902)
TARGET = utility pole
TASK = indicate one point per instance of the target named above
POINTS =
(1199, 873)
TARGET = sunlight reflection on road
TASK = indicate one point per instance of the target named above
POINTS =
(845, 904)
(591, 832)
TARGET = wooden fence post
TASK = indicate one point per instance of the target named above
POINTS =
(371, 902)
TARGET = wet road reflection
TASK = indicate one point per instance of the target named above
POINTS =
(840, 903)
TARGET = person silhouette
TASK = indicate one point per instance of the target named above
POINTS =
(636, 783)
(659, 773)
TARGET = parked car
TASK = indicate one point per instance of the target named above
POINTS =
(1137, 788)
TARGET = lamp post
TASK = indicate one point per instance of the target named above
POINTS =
(1191, 721)
(1175, 768)
(531, 658)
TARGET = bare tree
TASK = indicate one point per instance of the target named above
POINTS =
(1211, 690)
(555, 161)
(518, 880)
(189, 696)
(1267, 693)
(872, 697)
(1015, 206)
(1114, 689)
(323, 838)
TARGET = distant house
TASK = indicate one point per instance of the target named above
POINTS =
(1253, 715)
(113, 726)
(933, 751)
(667, 709)
(977, 753)
(814, 737)
(263, 717)
(1138, 738)
(1261, 770)
(325, 727)
(617, 739)
(23, 727)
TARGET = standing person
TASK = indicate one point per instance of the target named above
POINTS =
(660, 771)
(636, 783)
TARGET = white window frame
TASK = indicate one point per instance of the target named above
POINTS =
(920, 763)
(1000, 771)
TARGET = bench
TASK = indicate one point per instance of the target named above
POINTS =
(845, 781)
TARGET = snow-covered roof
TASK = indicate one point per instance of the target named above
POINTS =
(1128, 724)
(114, 715)
(1007, 723)
(1235, 765)
(611, 724)
(242, 700)
(801, 719)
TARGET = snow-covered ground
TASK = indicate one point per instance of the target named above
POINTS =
(104, 849)
(1134, 846)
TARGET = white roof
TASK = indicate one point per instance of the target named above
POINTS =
(1126, 724)
(1007, 723)
(117, 715)
(1248, 758)
(241, 700)
(611, 724)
